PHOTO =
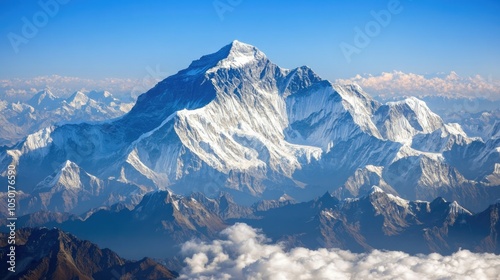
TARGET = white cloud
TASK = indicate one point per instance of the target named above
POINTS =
(397, 83)
(244, 254)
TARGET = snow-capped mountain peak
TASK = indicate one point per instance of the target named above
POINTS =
(78, 99)
(456, 208)
(101, 96)
(44, 99)
(376, 189)
(400, 121)
(68, 176)
(234, 55)
(241, 54)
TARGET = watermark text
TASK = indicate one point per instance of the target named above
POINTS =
(11, 218)
(373, 28)
(30, 27)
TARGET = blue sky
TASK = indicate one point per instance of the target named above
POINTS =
(99, 39)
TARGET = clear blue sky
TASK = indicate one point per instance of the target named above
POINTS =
(98, 39)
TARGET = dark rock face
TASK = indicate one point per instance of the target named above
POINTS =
(53, 254)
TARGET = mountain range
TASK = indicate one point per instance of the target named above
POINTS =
(235, 121)
(163, 221)
(19, 119)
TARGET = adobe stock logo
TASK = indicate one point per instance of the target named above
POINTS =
(30, 28)
(152, 77)
(363, 37)
(223, 6)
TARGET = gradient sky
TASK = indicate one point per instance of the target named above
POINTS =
(97, 39)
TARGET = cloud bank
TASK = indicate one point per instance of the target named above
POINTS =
(397, 83)
(243, 253)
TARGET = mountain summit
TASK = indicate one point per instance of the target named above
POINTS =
(237, 122)
(236, 54)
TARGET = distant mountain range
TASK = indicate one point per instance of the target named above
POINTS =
(382, 221)
(377, 220)
(19, 119)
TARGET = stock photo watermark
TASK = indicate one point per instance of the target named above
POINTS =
(223, 6)
(152, 77)
(31, 26)
(373, 28)
(11, 218)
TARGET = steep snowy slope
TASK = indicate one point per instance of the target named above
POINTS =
(400, 121)
(241, 130)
